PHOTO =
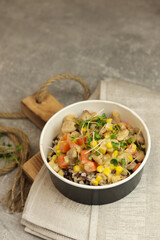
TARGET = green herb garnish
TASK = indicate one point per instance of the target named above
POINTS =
(123, 144)
(131, 140)
(72, 138)
(76, 161)
(114, 162)
(76, 125)
(103, 116)
(123, 161)
(90, 156)
(115, 145)
(97, 136)
(116, 128)
(113, 136)
(98, 153)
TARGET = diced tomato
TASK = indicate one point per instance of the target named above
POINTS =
(64, 146)
(132, 148)
(64, 138)
(72, 144)
(84, 156)
(81, 141)
(90, 166)
(61, 161)
(137, 166)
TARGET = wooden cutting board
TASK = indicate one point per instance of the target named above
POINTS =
(39, 114)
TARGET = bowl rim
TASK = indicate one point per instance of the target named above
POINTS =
(107, 185)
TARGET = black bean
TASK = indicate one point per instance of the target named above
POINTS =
(113, 171)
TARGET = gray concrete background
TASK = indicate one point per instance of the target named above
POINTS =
(93, 39)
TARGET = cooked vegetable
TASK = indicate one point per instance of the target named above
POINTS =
(96, 149)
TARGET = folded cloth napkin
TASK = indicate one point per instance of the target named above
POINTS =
(50, 215)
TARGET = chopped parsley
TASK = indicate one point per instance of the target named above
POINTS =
(115, 145)
(98, 153)
(114, 162)
(90, 157)
(116, 128)
(123, 144)
(113, 136)
(131, 140)
(72, 138)
(103, 116)
(123, 161)
(97, 136)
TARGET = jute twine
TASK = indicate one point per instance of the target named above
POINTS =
(16, 196)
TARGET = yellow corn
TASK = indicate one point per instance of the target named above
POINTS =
(54, 157)
(98, 178)
(84, 129)
(115, 154)
(106, 171)
(100, 169)
(109, 120)
(61, 173)
(107, 136)
(58, 146)
(130, 158)
(102, 150)
(93, 143)
(76, 168)
(95, 182)
(109, 145)
(58, 151)
(119, 169)
(112, 167)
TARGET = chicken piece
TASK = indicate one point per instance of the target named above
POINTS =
(98, 159)
(106, 127)
(122, 125)
(68, 126)
(72, 154)
(139, 156)
(122, 134)
(85, 115)
(139, 138)
(75, 134)
(116, 117)
(70, 117)
(131, 166)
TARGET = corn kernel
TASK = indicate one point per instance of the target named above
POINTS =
(54, 157)
(98, 178)
(61, 173)
(93, 143)
(58, 146)
(107, 171)
(109, 120)
(102, 150)
(109, 145)
(58, 151)
(130, 158)
(84, 129)
(95, 182)
(112, 167)
(107, 136)
(76, 168)
(100, 169)
(119, 169)
(115, 154)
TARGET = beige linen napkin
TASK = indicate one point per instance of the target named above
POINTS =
(50, 215)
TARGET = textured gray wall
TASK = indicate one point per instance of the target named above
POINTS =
(94, 39)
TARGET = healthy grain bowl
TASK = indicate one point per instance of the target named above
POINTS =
(95, 151)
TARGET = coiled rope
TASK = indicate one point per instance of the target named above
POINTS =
(16, 196)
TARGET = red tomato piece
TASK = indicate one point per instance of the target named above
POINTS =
(137, 166)
(132, 148)
(64, 146)
(72, 144)
(64, 138)
(90, 166)
(61, 161)
(81, 141)
(84, 156)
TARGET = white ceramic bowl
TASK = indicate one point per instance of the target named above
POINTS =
(93, 194)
